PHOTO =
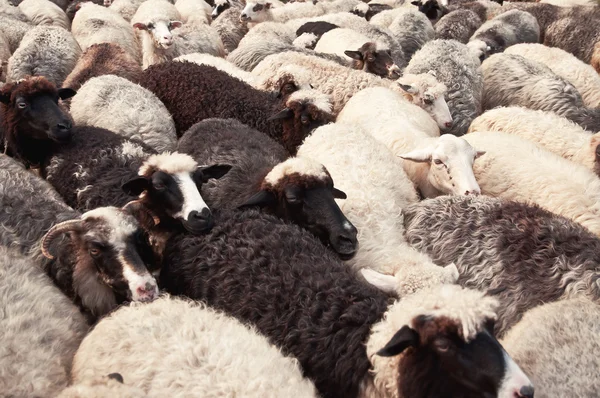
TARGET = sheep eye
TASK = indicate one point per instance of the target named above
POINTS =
(94, 252)
(21, 105)
(150, 26)
(370, 58)
(428, 101)
(438, 161)
(159, 186)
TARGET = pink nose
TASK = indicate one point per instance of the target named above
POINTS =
(448, 124)
(147, 292)
(473, 192)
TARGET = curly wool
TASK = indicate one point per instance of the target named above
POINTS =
(522, 254)
(545, 14)
(575, 32)
(101, 387)
(455, 66)
(47, 51)
(412, 29)
(457, 25)
(230, 29)
(213, 353)
(507, 29)
(40, 329)
(14, 30)
(556, 134)
(116, 104)
(557, 345)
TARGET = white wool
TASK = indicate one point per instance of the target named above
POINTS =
(293, 73)
(45, 12)
(120, 224)
(171, 163)
(194, 11)
(299, 165)
(223, 65)
(519, 170)
(172, 347)
(338, 40)
(305, 40)
(102, 387)
(316, 98)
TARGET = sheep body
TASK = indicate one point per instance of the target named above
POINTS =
(412, 29)
(457, 25)
(230, 29)
(212, 353)
(545, 14)
(45, 12)
(101, 387)
(194, 11)
(9, 10)
(47, 51)
(14, 30)
(338, 40)
(575, 32)
(116, 104)
(223, 65)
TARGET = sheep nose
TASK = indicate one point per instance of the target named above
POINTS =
(525, 392)
(64, 126)
(473, 192)
(448, 124)
(199, 221)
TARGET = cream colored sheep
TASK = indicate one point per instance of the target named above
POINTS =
(45, 12)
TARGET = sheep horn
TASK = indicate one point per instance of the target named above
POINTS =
(138, 202)
(55, 231)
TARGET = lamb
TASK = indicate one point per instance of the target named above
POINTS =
(298, 189)
(533, 178)
(208, 92)
(101, 387)
(576, 33)
(457, 25)
(213, 353)
(39, 326)
(103, 59)
(194, 11)
(45, 12)
(533, 85)
(556, 134)
(521, 254)
(412, 29)
(582, 76)
(436, 165)
(229, 27)
(94, 24)
(563, 362)
(47, 51)
(89, 265)
(223, 65)
(455, 66)
(116, 104)
(164, 37)
(294, 271)
(377, 190)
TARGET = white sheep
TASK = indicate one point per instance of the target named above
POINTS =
(436, 165)
(385, 18)
(194, 11)
(116, 104)
(222, 64)
(40, 330)
(557, 345)
(515, 169)
(581, 75)
(47, 51)
(377, 190)
(44, 12)
(94, 24)
(259, 11)
(547, 129)
(172, 347)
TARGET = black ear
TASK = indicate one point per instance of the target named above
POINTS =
(286, 113)
(136, 186)
(260, 199)
(5, 97)
(215, 171)
(116, 376)
(415, 3)
(66, 93)
(404, 338)
(339, 194)
(357, 55)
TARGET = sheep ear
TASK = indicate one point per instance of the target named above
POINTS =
(136, 186)
(215, 171)
(408, 88)
(66, 93)
(357, 55)
(415, 3)
(383, 282)
(175, 24)
(286, 113)
(268, 5)
(404, 338)
(418, 155)
(339, 194)
(116, 376)
(479, 154)
(260, 199)
(140, 26)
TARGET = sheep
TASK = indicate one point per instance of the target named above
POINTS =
(194, 11)
(40, 330)
(505, 30)
(455, 66)
(485, 9)
(229, 27)
(576, 33)
(436, 165)
(255, 12)
(309, 34)
(368, 11)
(364, 54)
(292, 270)
(432, 9)
(32, 122)
(557, 345)
(377, 189)
(556, 134)
(103, 59)
(220, 6)
(412, 29)
(457, 25)
(297, 189)
(44, 12)
(118, 105)
(519, 253)
(533, 178)
(164, 37)
(213, 353)
(47, 51)
(94, 24)
(14, 30)
(546, 14)
(385, 18)
(125, 8)
(512, 80)
(582, 76)
(9, 10)
(208, 92)
(223, 65)
(101, 387)
(102, 262)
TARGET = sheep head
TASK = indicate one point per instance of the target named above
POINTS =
(220, 6)
(376, 59)
(256, 12)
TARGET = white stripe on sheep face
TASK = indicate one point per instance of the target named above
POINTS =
(160, 31)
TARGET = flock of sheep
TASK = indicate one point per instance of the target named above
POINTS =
(330, 198)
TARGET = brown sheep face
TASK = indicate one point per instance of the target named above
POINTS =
(374, 60)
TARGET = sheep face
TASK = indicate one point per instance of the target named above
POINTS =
(255, 12)
(426, 92)
(430, 8)
(111, 252)
(160, 31)
(373, 59)
(450, 161)
(30, 108)
(220, 6)
(302, 191)
(169, 186)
